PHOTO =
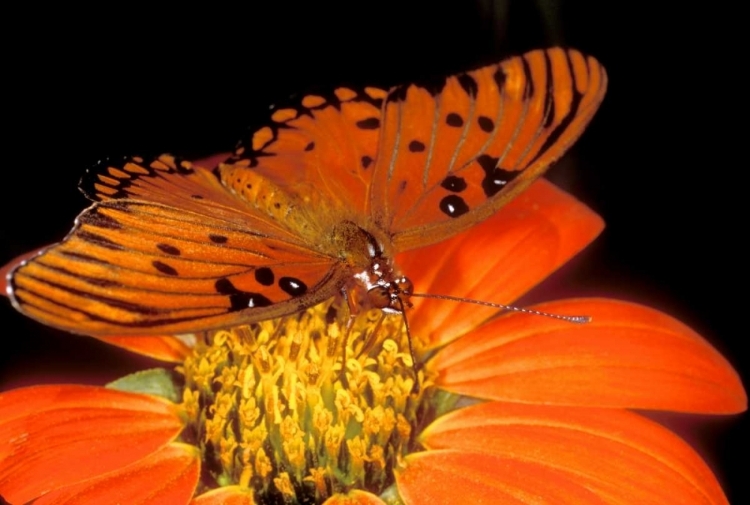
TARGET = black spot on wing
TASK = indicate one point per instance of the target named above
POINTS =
(416, 146)
(310, 146)
(168, 249)
(454, 183)
(366, 162)
(453, 206)
(246, 300)
(371, 123)
(292, 286)
(264, 276)
(495, 178)
(486, 124)
(454, 120)
(240, 300)
(217, 239)
(164, 268)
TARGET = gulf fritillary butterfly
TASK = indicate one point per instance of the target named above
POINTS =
(317, 202)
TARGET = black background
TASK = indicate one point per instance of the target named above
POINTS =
(660, 162)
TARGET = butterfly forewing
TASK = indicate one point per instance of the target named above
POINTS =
(319, 148)
(454, 151)
(150, 258)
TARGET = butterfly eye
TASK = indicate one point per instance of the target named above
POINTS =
(405, 286)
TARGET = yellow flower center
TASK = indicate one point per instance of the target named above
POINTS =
(272, 410)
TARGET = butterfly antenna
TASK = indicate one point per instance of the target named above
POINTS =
(570, 319)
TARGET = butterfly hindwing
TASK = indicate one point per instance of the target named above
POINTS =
(151, 257)
(454, 151)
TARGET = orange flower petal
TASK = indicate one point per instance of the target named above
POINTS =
(621, 456)
(354, 497)
(53, 436)
(628, 356)
(166, 476)
(228, 495)
(497, 260)
(164, 347)
(450, 477)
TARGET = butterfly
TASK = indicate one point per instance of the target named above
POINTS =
(316, 203)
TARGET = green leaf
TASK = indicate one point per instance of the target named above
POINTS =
(156, 381)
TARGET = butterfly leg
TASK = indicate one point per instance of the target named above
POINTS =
(372, 338)
(416, 388)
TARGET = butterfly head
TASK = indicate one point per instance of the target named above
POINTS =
(383, 287)
(391, 296)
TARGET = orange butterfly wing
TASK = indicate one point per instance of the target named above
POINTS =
(320, 148)
(169, 249)
(453, 151)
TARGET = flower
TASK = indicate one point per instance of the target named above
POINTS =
(520, 407)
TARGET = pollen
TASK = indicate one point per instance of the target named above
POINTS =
(301, 408)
